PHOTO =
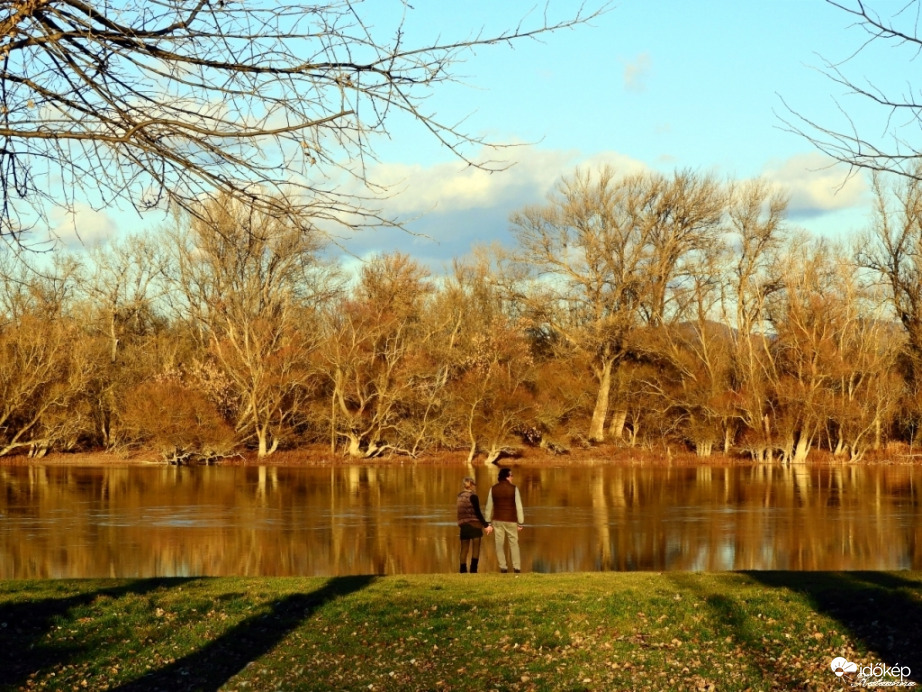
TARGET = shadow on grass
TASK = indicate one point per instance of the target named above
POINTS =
(878, 610)
(881, 610)
(746, 631)
(216, 662)
(23, 625)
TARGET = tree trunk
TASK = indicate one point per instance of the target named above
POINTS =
(471, 435)
(263, 435)
(769, 447)
(616, 427)
(635, 430)
(333, 424)
(729, 432)
(801, 451)
(840, 447)
(354, 448)
(597, 427)
(113, 338)
(787, 451)
(704, 448)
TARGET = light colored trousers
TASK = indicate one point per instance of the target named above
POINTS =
(507, 532)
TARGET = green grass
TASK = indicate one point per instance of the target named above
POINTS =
(608, 631)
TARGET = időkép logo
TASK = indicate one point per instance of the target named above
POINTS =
(876, 675)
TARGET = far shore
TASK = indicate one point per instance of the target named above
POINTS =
(320, 455)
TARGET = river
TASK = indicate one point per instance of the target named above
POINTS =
(148, 521)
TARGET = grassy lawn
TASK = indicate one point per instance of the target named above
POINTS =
(606, 631)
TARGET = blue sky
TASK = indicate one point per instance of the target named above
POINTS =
(657, 84)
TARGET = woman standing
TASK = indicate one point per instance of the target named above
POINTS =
(471, 523)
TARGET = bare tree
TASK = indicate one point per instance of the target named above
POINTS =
(167, 102)
(46, 363)
(118, 289)
(122, 287)
(605, 251)
(757, 235)
(490, 390)
(391, 351)
(892, 252)
(834, 356)
(695, 366)
(177, 419)
(866, 382)
(251, 285)
(891, 143)
(808, 316)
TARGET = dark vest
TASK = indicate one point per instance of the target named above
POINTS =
(466, 513)
(504, 502)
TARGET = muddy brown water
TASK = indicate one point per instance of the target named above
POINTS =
(146, 521)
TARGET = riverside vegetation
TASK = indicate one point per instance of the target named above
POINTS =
(668, 312)
(580, 631)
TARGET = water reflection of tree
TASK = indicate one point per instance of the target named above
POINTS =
(63, 522)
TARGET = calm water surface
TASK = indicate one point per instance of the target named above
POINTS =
(58, 521)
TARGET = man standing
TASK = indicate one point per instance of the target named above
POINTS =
(505, 514)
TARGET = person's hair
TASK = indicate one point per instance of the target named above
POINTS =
(504, 474)
(467, 483)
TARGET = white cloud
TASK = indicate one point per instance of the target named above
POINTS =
(450, 187)
(81, 227)
(621, 164)
(636, 72)
(451, 208)
(817, 184)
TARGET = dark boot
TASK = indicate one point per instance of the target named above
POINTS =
(463, 568)
(474, 562)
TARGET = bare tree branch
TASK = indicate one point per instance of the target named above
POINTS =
(894, 148)
(165, 102)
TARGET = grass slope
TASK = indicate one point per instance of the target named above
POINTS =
(606, 631)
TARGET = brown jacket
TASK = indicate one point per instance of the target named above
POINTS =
(505, 504)
(469, 509)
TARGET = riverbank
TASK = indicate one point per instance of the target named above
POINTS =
(320, 455)
(600, 631)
